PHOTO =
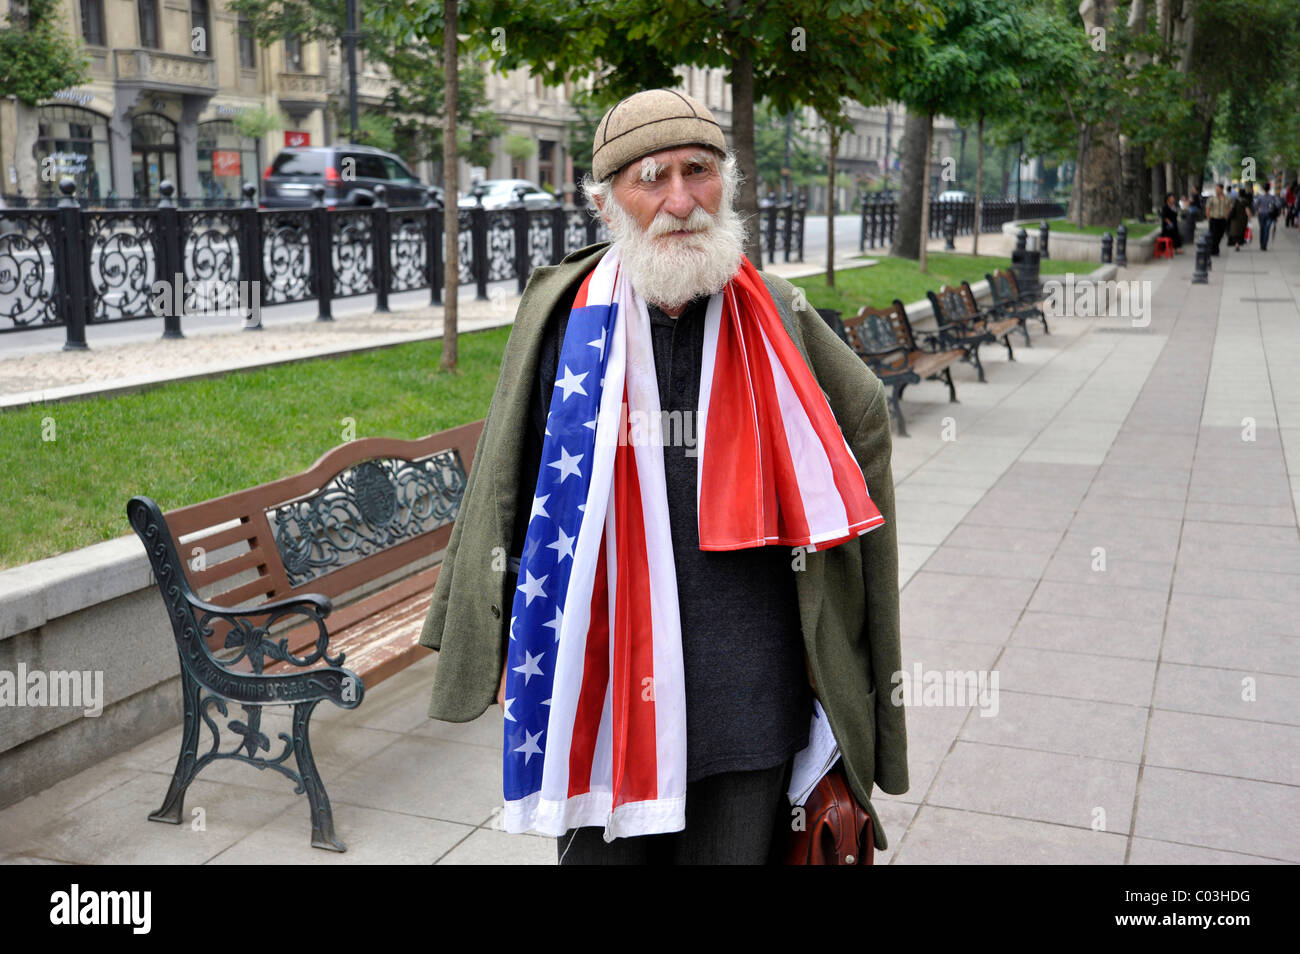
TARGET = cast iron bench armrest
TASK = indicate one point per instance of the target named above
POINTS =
(256, 639)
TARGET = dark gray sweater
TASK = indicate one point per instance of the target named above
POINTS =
(748, 702)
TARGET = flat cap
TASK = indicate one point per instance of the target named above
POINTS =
(650, 121)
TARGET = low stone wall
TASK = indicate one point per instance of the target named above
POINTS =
(96, 610)
(1076, 247)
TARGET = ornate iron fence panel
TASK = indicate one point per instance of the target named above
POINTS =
(409, 248)
(353, 241)
(210, 258)
(28, 297)
(500, 245)
(122, 255)
(466, 243)
(541, 239)
(286, 257)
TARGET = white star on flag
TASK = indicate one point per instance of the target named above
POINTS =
(532, 586)
(507, 711)
(563, 545)
(555, 624)
(591, 424)
(539, 507)
(571, 382)
(512, 626)
(530, 667)
(567, 465)
(529, 748)
(599, 343)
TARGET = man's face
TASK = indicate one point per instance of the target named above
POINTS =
(671, 216)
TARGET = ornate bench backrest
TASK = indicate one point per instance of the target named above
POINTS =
(387, 500)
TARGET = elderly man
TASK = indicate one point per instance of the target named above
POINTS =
(664, 609)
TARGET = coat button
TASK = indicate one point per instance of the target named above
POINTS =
(496, 611)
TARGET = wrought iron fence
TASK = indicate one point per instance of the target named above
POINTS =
(72, 266)
(879, 217)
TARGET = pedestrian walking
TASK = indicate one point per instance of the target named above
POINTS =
(661, 639)
(1291, 196)
(1216, 210)
(1239, 219)
(1267, 209)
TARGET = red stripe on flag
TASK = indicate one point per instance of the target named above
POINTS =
(595, 682)
(635, 768)
(783, 516)
(731, 486)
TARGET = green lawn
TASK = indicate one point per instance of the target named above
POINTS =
(892, 278)
(1136, 229)
(192, 440)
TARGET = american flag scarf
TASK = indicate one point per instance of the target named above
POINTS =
(595, 709)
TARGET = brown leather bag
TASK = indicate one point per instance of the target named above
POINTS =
(837, 830)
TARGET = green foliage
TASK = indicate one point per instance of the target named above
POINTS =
(38, 57)
(256, 122)
(519, 147)
(807, 161)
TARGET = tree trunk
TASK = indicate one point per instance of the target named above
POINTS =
(908, 239)
(961, 158)
(1101, 199)
(923, 258)
(451, 213)
(979, 185)
(1006, 170)
(1076, 188)
(1157, 186)
(830, 210)
(742, 134)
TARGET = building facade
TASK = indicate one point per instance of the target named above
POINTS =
(167, 80)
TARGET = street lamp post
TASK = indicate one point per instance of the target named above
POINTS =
(351, 35)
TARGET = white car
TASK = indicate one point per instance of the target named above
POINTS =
(500, 193)
(954, 195)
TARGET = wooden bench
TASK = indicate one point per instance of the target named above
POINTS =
(1008, 300)
(261, 572)
(963, 325)
(883, 338)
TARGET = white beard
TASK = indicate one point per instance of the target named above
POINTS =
(672, 270)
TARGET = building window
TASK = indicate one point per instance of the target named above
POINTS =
(293, 54)
(148, 10)
(92, 22)
(199, 20)
(226, 160)
(77, 139)
(247, 52)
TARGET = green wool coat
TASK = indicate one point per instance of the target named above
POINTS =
(848, 595)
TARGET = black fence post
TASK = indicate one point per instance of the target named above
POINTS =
(382, 226)
(433, 260)
(1043, 231)
(250, 255)
(1107, 242)
(862, 230)
(1022, 240)
(802, 212)
(1202, 274)
(1121, 245)
(322, 254)
(168, 260)
(478, 246)
(559, 216)
(949, 232)
(72, 269)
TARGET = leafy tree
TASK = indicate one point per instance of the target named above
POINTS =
(37, 56)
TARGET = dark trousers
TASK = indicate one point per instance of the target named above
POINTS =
(1217, 228)
(1265, 228)
(733, 818)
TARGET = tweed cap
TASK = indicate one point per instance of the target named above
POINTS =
(650, 121)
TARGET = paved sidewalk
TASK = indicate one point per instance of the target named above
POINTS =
(1122, 732)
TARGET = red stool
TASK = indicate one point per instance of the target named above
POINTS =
(1164, 247)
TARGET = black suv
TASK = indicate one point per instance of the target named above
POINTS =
(349, 174)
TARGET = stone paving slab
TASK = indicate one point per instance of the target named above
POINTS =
(1145, 712)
